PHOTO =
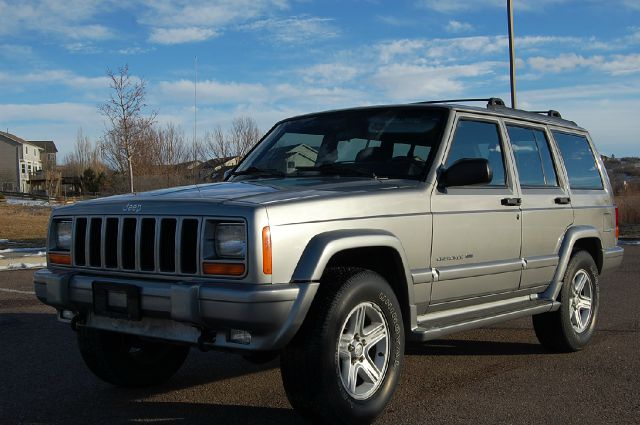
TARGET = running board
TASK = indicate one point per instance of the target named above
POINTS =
(433, 326)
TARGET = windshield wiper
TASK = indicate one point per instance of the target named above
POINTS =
(259, 172)
(339, 169)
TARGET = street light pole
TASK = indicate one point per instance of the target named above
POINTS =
(512, 54)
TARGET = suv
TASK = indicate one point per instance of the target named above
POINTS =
(338, 237)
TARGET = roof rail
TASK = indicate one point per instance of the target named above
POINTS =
(550, 113)
(491, 101)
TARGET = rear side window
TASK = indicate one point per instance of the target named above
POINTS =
(533, 157)
(579, 161)
(479, 139)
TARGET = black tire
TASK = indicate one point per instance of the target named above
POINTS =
(311, 366)
(128, 361)
(560, 331)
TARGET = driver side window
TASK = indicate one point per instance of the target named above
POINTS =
(479, 139)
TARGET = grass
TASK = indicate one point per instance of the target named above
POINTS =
(24, 224)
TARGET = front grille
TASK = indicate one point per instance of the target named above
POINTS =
(137, 244)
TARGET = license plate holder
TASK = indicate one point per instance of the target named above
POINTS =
(101, 306)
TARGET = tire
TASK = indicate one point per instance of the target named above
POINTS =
(571, 327)
(128, 361)
(351, 306)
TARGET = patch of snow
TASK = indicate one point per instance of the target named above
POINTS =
(1, 256)
(21, 266)
(8, 250)
(36, 254)
(28, 202)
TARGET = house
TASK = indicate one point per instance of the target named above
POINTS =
(22, 161)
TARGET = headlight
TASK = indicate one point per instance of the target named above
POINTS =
(61, 235)
(230, 241)
(225, 241)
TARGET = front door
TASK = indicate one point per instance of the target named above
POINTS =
(477, 229)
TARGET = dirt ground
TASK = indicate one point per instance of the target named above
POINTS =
(24, 224)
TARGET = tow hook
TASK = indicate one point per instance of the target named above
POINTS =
(79, 318)
(206, 340)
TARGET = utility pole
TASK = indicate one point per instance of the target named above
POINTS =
(195, 99)
(512, 54)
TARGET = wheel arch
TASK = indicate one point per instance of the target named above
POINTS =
(376, 250)
(576, 238)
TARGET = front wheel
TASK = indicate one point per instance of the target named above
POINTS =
(344, 364)
(571, 327)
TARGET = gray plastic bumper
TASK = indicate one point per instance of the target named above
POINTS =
(612, 258)
(179, 311)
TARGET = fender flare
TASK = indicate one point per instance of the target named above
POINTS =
(572, 235)
(323, 246)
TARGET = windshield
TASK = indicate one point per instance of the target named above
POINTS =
(372, 142)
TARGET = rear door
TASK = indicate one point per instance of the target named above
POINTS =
(546, 204)
(476, 229)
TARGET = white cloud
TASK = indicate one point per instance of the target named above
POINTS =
(55, 112)
(450, 6)
(134, 50)
(68, 19)
(631, 4)
(183, 21)
(180, 35)
(297, 29)
(329, 73)
(457, 27)
(55, 77)
(615, 65)
(406, 82)
(213, 92)
(388, 51)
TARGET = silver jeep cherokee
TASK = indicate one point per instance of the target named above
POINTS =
(340, 235)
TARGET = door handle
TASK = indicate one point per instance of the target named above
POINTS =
(511, 202)
(562, 200)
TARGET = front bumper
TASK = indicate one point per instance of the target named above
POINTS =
(184, 311)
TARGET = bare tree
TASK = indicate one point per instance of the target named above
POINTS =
(243, 135)
(84, 155)
(216, 144)
(127, 124)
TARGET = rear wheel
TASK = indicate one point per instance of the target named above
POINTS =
(571, 327)
(344, 364)
(127, 360)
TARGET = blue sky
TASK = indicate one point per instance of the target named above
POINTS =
(270, 59)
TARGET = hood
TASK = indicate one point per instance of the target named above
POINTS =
(263, 191)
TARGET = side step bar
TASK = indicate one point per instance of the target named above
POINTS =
(436, 325)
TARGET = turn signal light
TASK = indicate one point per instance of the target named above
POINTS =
(63, 259)
(223, 269)
(266, 251)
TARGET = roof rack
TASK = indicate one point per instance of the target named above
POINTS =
(491, 101)
(550, 113)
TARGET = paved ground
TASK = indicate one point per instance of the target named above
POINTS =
(487, 376)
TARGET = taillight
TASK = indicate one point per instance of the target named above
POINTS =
(617, 224)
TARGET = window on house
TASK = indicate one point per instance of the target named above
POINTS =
(24, 169)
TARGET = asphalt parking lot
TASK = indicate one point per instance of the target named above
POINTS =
(487, 376)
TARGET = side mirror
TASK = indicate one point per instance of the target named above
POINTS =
(467, 171)
(227, 174)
